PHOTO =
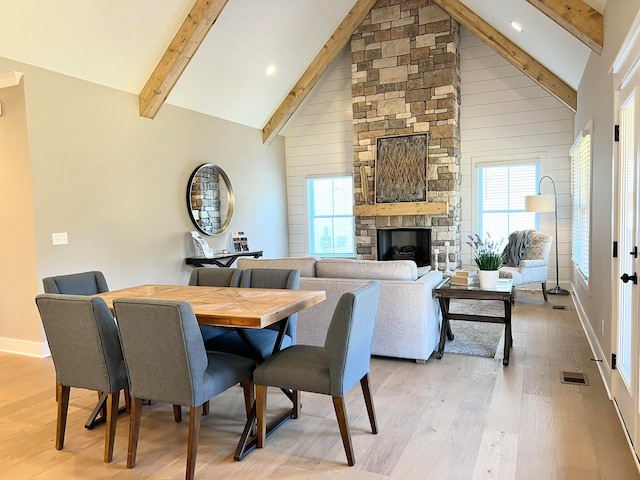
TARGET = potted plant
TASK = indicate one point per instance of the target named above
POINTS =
(487, 255)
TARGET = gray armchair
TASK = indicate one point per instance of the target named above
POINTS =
(166, 362)
(333, 369)
(526, 259)
(214, 277)
(85, 283)
(84, 344)
(264, 341)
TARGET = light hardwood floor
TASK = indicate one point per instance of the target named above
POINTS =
(460, 417)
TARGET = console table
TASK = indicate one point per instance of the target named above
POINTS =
(221, 259)
(503, 291)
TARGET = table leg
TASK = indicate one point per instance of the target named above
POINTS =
(445, 328)
(95, 418)
(508, 339)
(248, 439)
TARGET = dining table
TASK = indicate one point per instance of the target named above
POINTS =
(236, 308)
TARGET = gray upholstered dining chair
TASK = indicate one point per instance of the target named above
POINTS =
(84, 344)
(84, 283)
(214, 277)
(333, 369)
(264, 340)
(166, 362)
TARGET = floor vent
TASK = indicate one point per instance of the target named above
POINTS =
(574, 378)
(559, 307)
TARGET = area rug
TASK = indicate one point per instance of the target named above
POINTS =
(480, 339)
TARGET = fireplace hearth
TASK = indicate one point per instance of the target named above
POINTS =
(405, 244)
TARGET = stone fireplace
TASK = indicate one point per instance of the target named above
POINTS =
(405, 81)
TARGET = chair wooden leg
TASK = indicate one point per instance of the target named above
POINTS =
(297, 405)
(195, 416)
(261, 414)
(112, 416)
(544, 291)
(343, 423)
(205, 408)
(177, 413)
(134, 431)
(249, 396)
(127, 400)
(368, 400)
(62, 394)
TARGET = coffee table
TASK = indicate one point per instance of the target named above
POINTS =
(445, 291)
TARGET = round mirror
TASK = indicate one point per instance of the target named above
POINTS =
(210, 199)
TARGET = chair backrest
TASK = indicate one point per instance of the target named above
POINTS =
(350, 335)
(215, 277)
(274, 278)
(83, 340)
(539, 248)
(163, 350)
(271, 278)
(85, 283)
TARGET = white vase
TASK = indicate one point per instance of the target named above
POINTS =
(488, 279)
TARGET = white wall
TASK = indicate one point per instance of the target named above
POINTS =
(18, 266)
(596, 103)
(506, 116)
(318, 141)
(116, 183)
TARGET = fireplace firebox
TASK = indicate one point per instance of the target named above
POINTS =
(405, 244)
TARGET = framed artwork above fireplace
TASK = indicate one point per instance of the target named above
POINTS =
(401, 169)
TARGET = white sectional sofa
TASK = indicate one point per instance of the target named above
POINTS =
(408, 320)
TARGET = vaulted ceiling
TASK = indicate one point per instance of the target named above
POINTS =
(128, 45)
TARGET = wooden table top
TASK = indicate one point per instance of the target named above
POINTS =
(227, 306)
(446, 289)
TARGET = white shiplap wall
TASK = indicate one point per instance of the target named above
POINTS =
(506, 116)
(318, 142)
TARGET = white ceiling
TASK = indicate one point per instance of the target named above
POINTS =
(118, 43)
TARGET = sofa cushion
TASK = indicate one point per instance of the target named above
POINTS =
(306, 265)
(366, 269)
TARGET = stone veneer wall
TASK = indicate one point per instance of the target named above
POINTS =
(205, 199)
(406, 80)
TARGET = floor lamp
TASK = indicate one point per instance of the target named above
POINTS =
(547, 203)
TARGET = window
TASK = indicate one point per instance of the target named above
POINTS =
(330, 211)
(580, 197)
(501, 192)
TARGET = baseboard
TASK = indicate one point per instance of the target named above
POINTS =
(598, 354)
(24, 347)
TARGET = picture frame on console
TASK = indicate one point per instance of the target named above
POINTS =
(240, 242)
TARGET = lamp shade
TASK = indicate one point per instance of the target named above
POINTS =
(540, 203)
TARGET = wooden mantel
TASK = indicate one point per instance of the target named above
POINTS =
(408, 208)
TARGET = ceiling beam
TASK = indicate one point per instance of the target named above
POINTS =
(577, 18)
(202, 16)
(318, 66)
(510, 51)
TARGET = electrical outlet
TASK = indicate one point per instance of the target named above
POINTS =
(602, 324)
(59, 238)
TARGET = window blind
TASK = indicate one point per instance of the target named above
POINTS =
(330, 214)
(501, 192)
(580, 154)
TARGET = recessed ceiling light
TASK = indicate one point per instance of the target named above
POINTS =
(516, 26)
(271, 69)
